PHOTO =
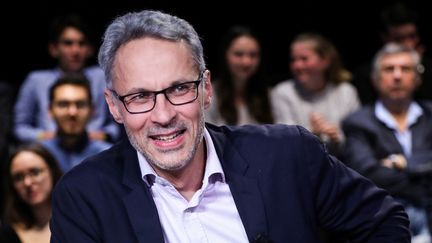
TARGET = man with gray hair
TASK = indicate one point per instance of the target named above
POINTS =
(178, 179)
(390, 142)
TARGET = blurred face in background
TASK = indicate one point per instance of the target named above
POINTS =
(71, 109)
(307, 66)
(398, 77)
(31, 178)
(71, 50)
(243, 58)
(405, 34)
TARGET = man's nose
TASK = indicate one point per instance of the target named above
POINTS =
(163, 111)
(72, 109)
(397, 72)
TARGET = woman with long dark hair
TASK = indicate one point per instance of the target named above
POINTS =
(32, 173)
(241, 93)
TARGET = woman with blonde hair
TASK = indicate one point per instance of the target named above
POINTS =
(319, 96)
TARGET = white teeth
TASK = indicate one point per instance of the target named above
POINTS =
(167, 138)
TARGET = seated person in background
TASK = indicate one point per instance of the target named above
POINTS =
(391, 141)
(399, 24)
(70, 46)
(6, 141)
(32, 173)
(241, 95)
(70, 107)
(319, 96)
(179, 179)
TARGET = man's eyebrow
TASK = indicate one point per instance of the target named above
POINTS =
(172, 83)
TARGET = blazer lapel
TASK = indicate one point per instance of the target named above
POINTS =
(139, 203)
(244, 189)
(249, 203)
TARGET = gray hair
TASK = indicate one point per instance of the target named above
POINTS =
(147, 23)
(391, 49)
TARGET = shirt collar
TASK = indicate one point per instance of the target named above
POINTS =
(414, 112)
(213, 170)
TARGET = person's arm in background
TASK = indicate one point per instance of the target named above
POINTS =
(348, 204)
(359, 155)
(26, 112)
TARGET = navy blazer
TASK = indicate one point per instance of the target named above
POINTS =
(368, 140)
(284, 184)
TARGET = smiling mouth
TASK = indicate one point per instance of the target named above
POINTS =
(167, 138)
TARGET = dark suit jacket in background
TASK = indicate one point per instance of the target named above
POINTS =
(285, 187)
(368, 140)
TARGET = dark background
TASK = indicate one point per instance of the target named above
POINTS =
(353, 26)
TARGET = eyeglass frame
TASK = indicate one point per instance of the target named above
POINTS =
(156, 93)
(34, 174)
(65, 104)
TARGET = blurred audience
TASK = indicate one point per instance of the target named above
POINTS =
(32, 173)
(391, 141)
(6, 141)
(70, 107)
(241, 93)
(399, 24)
(319, 96)
(70, 46)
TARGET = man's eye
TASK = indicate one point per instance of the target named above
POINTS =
(35, 171)
(62, 104)
(388, 69)
(180, 88)
(140, 97)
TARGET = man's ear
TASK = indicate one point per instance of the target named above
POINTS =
(208, 89)
(50, 112)
(112, 106)
(53, 50)
(418, 78)
(90, 50)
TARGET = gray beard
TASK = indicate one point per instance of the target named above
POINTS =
(134, 140)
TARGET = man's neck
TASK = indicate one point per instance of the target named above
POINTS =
(396, 106)
(399, 111)
(189, 179)
(75, 142)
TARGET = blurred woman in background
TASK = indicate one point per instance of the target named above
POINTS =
(319, 96)
(241, 94)
(32, 173)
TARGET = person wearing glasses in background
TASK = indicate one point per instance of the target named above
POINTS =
(179, 179)
(32, 173)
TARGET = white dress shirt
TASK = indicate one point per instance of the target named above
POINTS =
(210, 216)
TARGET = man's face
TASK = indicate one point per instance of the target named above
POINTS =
(397, 77)
(71, 50)
(169, 136)
(71, 109)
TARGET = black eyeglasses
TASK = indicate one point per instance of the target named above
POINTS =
(145, 101)
(34, 173)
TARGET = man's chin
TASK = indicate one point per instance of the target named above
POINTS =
(170, 166)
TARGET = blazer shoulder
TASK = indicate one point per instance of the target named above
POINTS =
(263, 136)
(105, 162)
(360, 116)
(426, 106)
(41, 75)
